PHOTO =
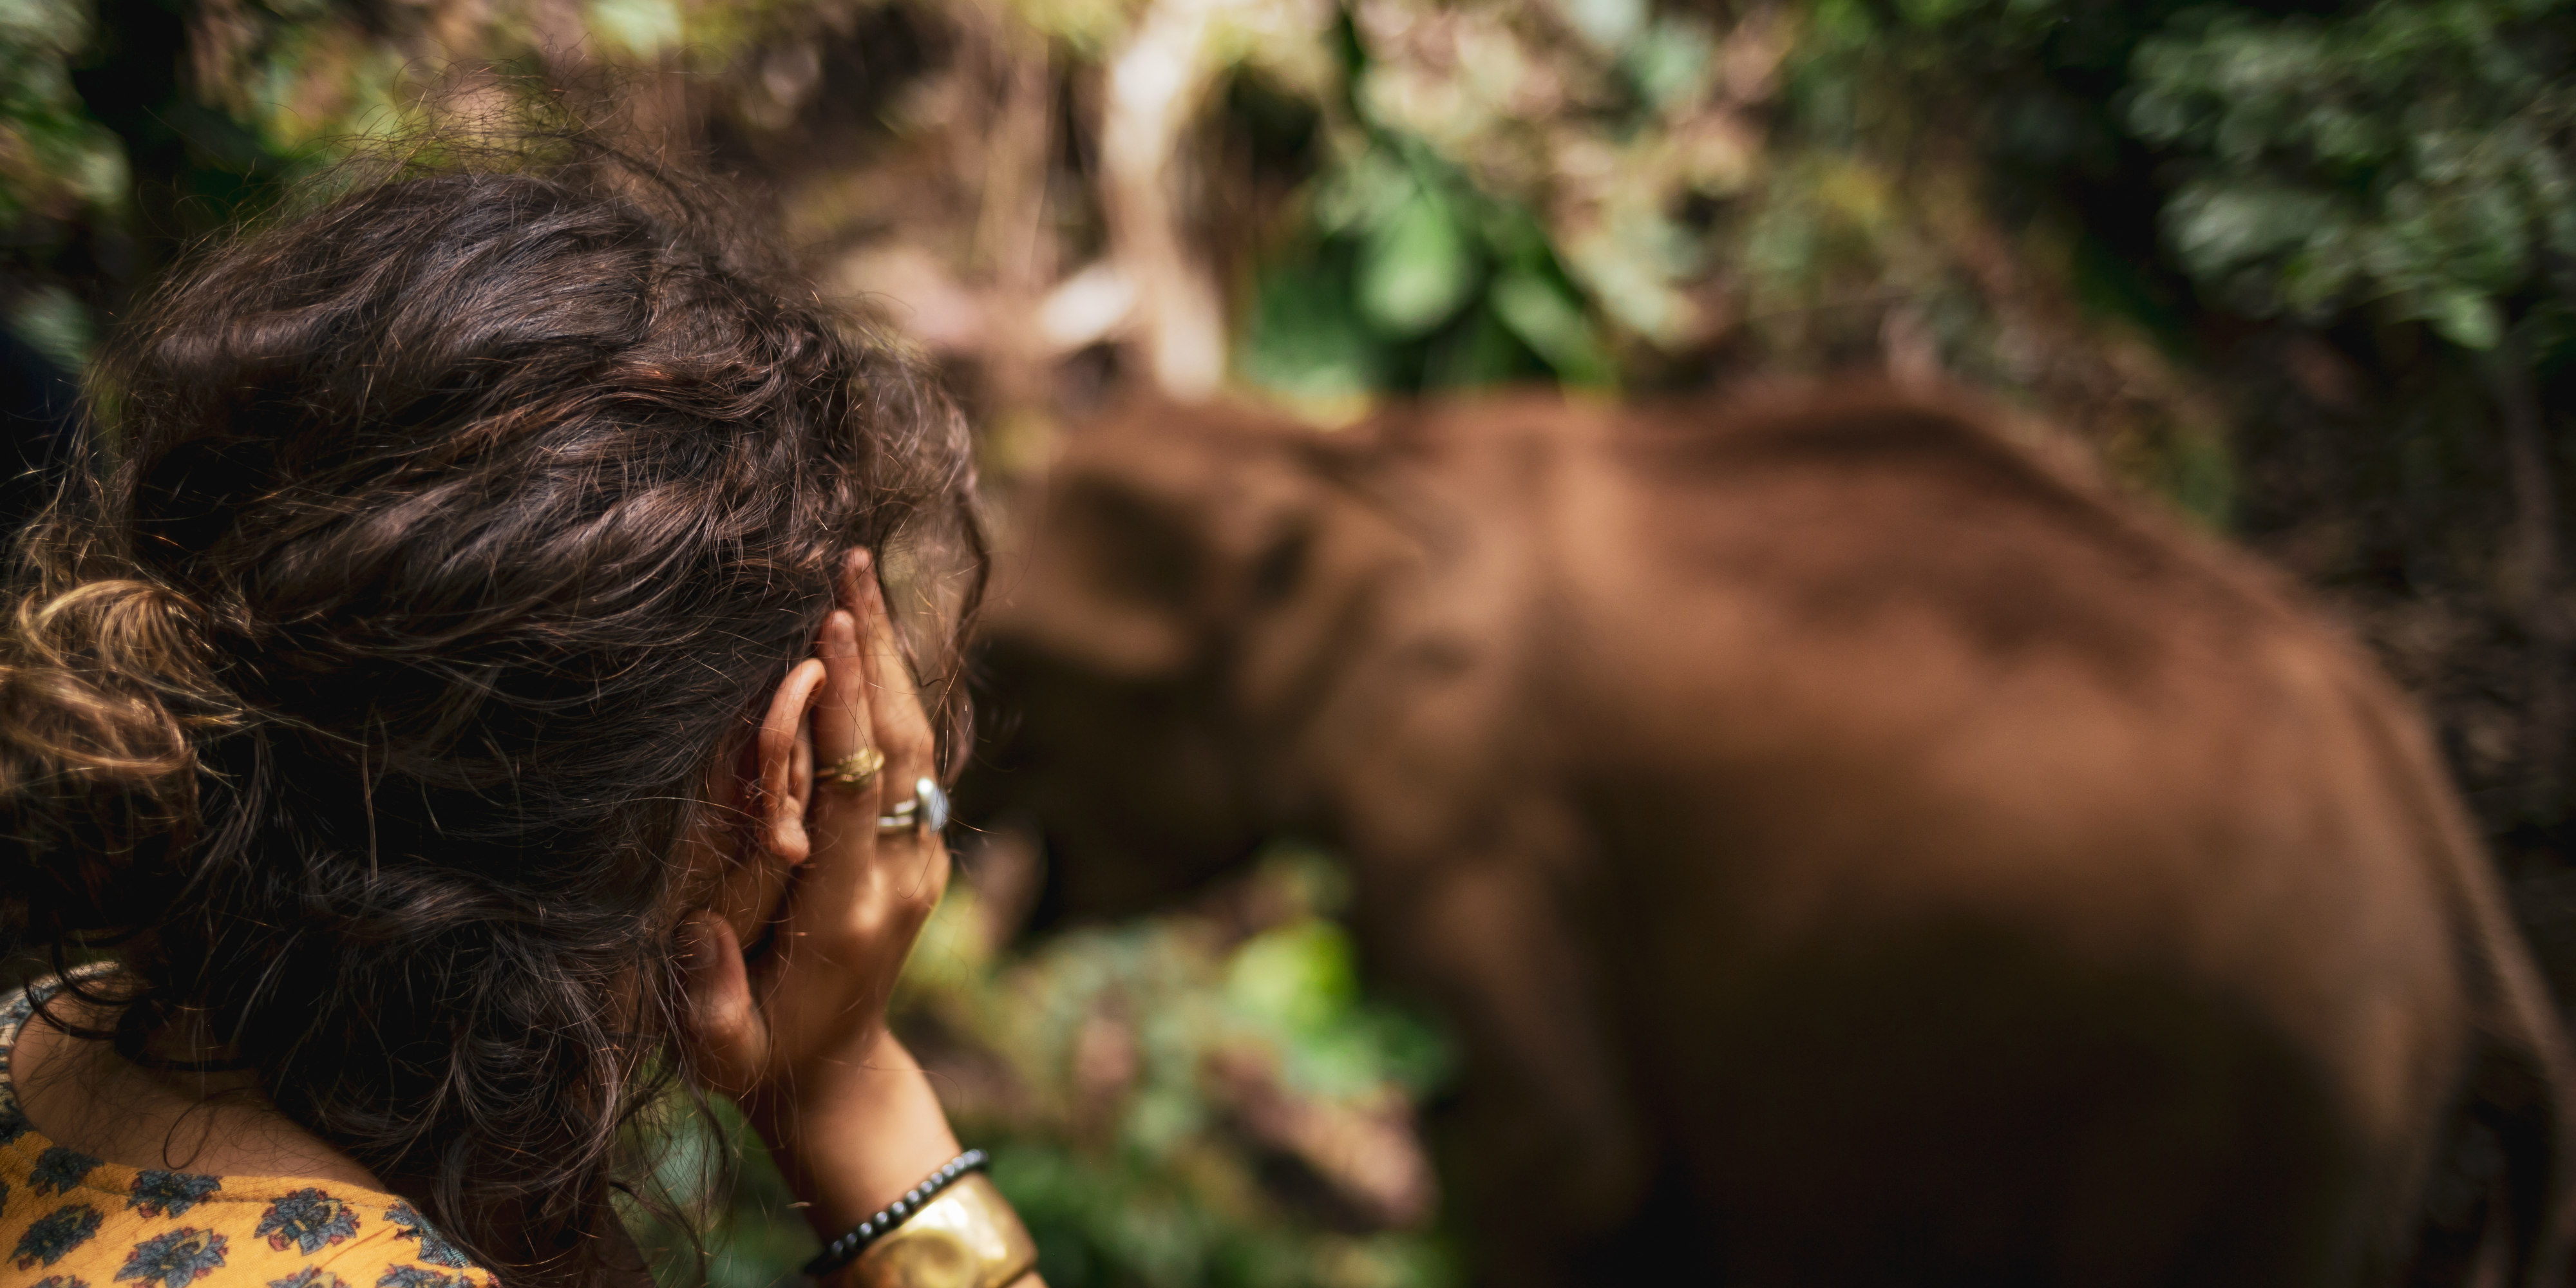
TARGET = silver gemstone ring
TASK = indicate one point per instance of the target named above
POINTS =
(928, 808)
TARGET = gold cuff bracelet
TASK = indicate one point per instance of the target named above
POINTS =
(966, 1237)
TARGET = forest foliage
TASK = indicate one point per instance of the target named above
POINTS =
(2306, 269)
(1402, 194)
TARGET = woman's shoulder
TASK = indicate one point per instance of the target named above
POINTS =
(69, 1221)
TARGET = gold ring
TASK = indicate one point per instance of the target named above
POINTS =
(855, 770)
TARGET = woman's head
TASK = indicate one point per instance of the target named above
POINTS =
(443, 538)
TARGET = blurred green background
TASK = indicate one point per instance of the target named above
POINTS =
(2304, 270)
(1204, 1098)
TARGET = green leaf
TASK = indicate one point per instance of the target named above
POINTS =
(1305, 337)
(1552, 325)
(53, 322)
(1415, 269)
(1672, 65)
(1933, 13)
(1478, 352)
(2466, 318)
(644, 27)
(1608, 24)
(1302, 976)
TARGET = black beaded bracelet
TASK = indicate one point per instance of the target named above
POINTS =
(846, 1249)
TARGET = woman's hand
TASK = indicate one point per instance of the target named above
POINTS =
(798, 1038)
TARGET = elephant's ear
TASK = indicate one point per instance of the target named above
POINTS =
(1111, 580)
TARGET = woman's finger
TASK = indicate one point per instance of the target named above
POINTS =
(894, 699)
(841, 718)
(903, 731)
(820, 932)
(843, 724)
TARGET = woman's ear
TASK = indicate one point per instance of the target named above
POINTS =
(786, 770)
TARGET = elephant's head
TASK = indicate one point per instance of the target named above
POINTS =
(1163, 616)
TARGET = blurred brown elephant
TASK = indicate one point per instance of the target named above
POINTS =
(1853, 845)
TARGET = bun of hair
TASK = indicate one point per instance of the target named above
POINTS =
(103, 684)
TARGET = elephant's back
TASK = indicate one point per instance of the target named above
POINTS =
(1971, 822)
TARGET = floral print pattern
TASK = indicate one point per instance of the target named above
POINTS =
(309, 1219)
(433, 1249)
(59, 1170)
(170, 1193)
(175, 1260)
(54, 1234)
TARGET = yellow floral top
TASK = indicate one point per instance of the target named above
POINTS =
(68, 1220)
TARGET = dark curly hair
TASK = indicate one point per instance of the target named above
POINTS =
(433, 545)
